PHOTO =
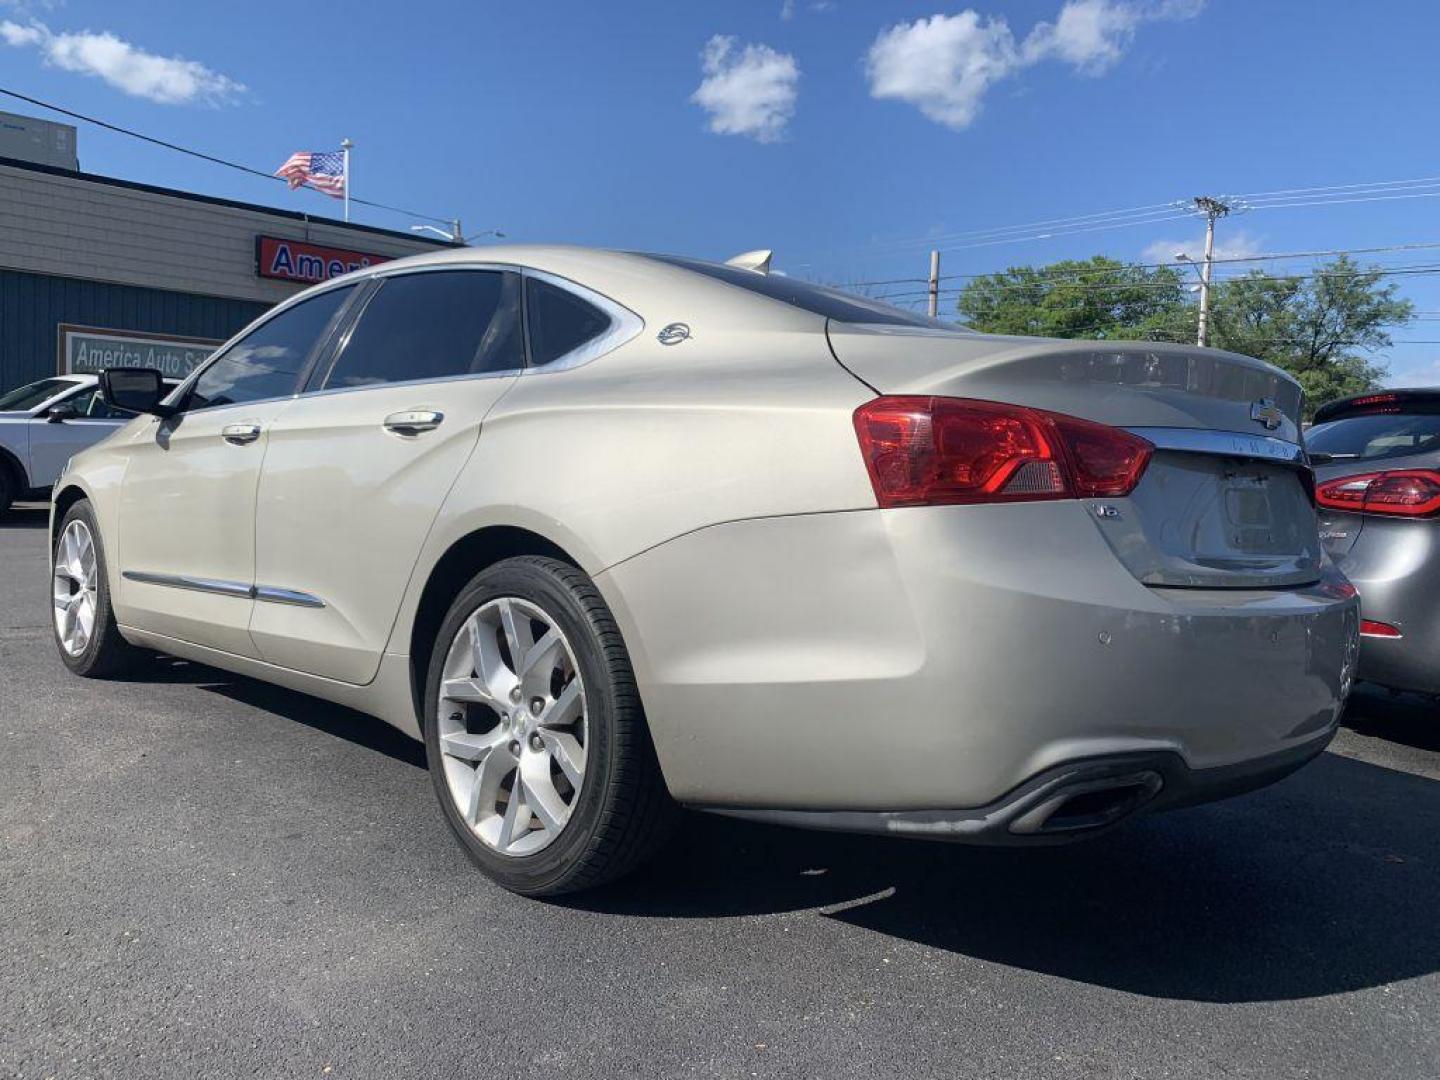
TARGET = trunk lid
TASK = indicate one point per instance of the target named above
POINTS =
(1225, 501)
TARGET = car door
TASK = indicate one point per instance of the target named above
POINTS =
(186, 523)
(52, 443)
(358, 465)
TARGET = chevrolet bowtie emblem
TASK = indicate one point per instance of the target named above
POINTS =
(1266, 412)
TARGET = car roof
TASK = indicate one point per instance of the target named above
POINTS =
(1380, 401)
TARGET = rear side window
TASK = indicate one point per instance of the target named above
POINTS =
(1376, 435)
(434, 325)
(560, 322)
(267, 362)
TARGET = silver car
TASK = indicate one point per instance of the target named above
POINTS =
(1378, 467)
(42, 424)
(615, 533)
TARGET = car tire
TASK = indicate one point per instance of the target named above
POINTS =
(80, 590)
(7, 489)
(569, 733)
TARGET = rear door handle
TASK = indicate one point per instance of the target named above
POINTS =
(240, 434)
(413, 422)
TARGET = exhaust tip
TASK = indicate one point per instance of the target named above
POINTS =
(1086, 806)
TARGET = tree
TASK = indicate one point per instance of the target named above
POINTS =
(1096, 298)
(1318, 326)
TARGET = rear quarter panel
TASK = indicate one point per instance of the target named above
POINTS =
(651, 442)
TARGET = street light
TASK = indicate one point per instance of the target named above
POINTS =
(452, 235)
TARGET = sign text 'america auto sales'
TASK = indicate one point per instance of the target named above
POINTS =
(296, 260)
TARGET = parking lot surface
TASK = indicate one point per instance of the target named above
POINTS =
(201, 875)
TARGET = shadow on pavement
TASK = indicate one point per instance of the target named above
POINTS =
(1327, 883)
(336, 720)
(1411, 719)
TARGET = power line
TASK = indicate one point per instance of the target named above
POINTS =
(197, 153)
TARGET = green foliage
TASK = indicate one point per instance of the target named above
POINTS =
(1322, 327)
(1097, 298)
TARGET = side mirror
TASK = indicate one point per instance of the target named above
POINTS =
(135, 389)
(58, 414)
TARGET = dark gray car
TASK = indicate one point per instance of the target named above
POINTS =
(1377, 465)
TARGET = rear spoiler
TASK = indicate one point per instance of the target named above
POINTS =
(1420, 399)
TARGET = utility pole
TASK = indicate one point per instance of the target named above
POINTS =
(934, 284)
(1212, 209)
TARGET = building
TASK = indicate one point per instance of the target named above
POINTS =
(96, 272)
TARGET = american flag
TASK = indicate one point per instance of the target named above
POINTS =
(323, 172)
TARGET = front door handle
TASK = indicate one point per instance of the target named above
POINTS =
(413, 422)
(240, 434)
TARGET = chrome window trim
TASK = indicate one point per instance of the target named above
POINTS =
(1241, 444)
(269, 594)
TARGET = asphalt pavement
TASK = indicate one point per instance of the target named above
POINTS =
(201, 875)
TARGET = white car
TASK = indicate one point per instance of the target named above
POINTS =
(42, 424)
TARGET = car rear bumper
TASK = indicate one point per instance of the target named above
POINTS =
(1073, 801)
(929, 659)
(1396, 567)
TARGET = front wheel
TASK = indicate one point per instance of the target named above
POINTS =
(84, 625)
(536, 739)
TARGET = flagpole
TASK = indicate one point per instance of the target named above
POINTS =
(345, 145)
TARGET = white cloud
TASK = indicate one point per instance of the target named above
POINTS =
(17, 35)
(166, 80)
(1235, 244)
(944, 65)
(747, 91)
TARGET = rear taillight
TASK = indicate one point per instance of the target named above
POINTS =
(1402, 493)
(932, 450)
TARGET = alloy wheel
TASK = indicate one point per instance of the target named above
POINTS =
(74, 588)
(513, 726)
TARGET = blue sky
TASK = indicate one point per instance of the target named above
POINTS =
(843, 134)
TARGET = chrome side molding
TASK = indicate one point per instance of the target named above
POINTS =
(272, 595)
(193, 584)
(267, 593)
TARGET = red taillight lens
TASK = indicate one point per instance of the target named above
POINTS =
(931, 450)
(1403, 493)
(1371, 628)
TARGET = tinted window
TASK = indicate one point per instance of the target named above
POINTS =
(1378, 435)
(431, 325)
(559, 321)
(27, 397)
(267, 362)
(816, 299)
(89, 404)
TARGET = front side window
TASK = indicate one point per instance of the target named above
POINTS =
(560, 322)
(434, 325)
(25, 398)
(267, 362)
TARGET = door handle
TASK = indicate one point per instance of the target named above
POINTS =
(240, 434)
(413, 422)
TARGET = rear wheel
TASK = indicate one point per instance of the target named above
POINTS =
(537, 743)
(7, 489)
(84, 625)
